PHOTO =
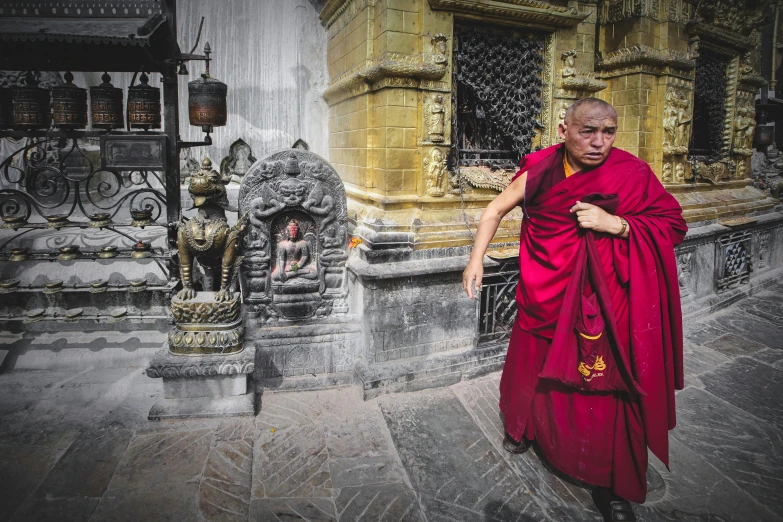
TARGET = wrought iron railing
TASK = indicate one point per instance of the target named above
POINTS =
(57, 182)
(497, 305)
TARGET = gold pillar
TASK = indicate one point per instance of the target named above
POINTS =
(648, 52)
(390, 100)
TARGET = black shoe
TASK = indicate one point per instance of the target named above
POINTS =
(612, 507)
(515, 447)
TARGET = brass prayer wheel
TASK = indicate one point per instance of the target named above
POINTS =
(106, 103)
(69, 104)
(144, 105)
(6, 111)
(207, 102)
(31, 105)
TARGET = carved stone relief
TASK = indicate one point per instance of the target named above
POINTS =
(679, 172)
(238, 162)
(569, 63)
(676, 122)
(434, 169)
(296, 244)
(435, 118)
(763, 248)
(666, 177)
(744, 124)
(439, 48)
(684, 269)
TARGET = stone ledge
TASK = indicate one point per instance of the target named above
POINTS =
(203, 407)
(169, 366)
(714, 302)
(401, 269)
(421, 373)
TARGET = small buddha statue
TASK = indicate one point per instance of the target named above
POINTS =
(294, 260)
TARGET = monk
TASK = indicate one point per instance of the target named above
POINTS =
(595, 354)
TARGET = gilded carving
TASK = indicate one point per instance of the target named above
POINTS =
(679, 173)
(435, 167)
(543, 14)
(439, 48)
(207, 238)
(676, 123)
(666, 177)
(205, 312)
(435, 117)
(569, 61)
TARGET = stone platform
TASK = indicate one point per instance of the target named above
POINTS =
(203, 385)
(78, 445)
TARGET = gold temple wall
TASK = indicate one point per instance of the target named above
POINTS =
(389, 63)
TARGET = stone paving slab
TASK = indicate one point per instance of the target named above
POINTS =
(451, 464)
(75, 444)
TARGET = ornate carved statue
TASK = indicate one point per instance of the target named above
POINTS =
(669, 123)
(436, 116)
(207, 237)
(439, 48)
(435, 165)
(741, 169)
(569, 63)
(294, 259)
(684, 273)
(683, 123)
(750, 130)
(667, 173)
(679, 172)
(238, 162)
(297, 244)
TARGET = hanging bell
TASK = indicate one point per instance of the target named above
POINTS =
(144, 105)
(70, 104)
(6, 111)
(106, 102)
(31, 105)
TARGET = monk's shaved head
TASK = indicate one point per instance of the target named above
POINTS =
(580, 107)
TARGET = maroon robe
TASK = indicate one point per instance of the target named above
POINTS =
(599, 437)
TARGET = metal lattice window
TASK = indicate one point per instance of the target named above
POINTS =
(709, 106)
(497, 304)
(497, 95)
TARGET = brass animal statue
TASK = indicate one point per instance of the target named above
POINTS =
(207, 237)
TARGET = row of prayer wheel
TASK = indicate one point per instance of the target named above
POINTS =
(28, 107)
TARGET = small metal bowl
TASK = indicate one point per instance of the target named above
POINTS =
(137, 283)
(141, 250)
(99, 219)
(9, 283)
(13, 222)
(69, 253)
(108, 252)
(99, 283)
(52, 287)
(141, 217)
(18, 254)
(57, 220)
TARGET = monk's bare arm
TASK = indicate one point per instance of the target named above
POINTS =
(488, 225)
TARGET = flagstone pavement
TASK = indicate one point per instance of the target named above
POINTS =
(75, 443)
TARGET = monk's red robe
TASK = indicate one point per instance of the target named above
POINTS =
(600, 438)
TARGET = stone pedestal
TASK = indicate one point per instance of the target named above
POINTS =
(203, 385)
(204, 366)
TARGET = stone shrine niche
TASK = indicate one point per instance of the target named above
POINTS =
(296, 242)
(238, 162)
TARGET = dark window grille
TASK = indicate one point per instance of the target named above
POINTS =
(497, 304)
(709, 107)
(497, 98)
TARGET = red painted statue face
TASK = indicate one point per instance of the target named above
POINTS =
(589, 136)
(293, 229)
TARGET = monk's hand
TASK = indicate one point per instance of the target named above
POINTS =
(596, 219)
(471, 278)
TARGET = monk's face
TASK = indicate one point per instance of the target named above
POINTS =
(589, 136)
